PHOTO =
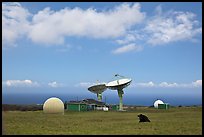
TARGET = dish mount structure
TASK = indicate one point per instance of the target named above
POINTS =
(119, 85)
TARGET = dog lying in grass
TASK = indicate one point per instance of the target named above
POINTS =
(143, 118)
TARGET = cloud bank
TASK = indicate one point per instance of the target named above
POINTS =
(15, 24)
(197, 83)
(20, 83)
(50, 27)
(54, 84)
(171, 26)
(127, 48)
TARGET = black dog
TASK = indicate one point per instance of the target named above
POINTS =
(143, 118)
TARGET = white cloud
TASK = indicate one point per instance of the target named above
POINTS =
(128, 38)
(197, 83)
(50, 26)
(163, 28)
(84, 84)
(127, 48)
(14, 23)
(171, 26)
(148, 84)
(30, 83)
(54, 84)
(20, 83)
(165, 84)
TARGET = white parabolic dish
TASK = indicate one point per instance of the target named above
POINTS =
(121, 83)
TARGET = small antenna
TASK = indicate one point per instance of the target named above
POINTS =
(117, 75)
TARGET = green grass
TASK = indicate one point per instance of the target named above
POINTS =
(175, 121)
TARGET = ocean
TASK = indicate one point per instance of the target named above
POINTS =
(140, 100)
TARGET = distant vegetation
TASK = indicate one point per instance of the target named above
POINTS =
(35, 107)
(174, 121)
(13, 107)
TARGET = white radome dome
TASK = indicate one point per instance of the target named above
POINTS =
(158, 102)
(53, 105)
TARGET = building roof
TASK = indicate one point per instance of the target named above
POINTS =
(87, 101)
(92, 101)
(73, 101)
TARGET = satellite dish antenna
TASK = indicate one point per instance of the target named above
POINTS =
(98, 89)
(119, 85)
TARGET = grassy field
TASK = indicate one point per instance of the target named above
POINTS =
(175, 121)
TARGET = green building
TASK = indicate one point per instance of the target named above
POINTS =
(114, 107)
(85, 105)
(77, 106)
(163, 106)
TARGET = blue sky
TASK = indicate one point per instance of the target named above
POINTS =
(55, 48)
